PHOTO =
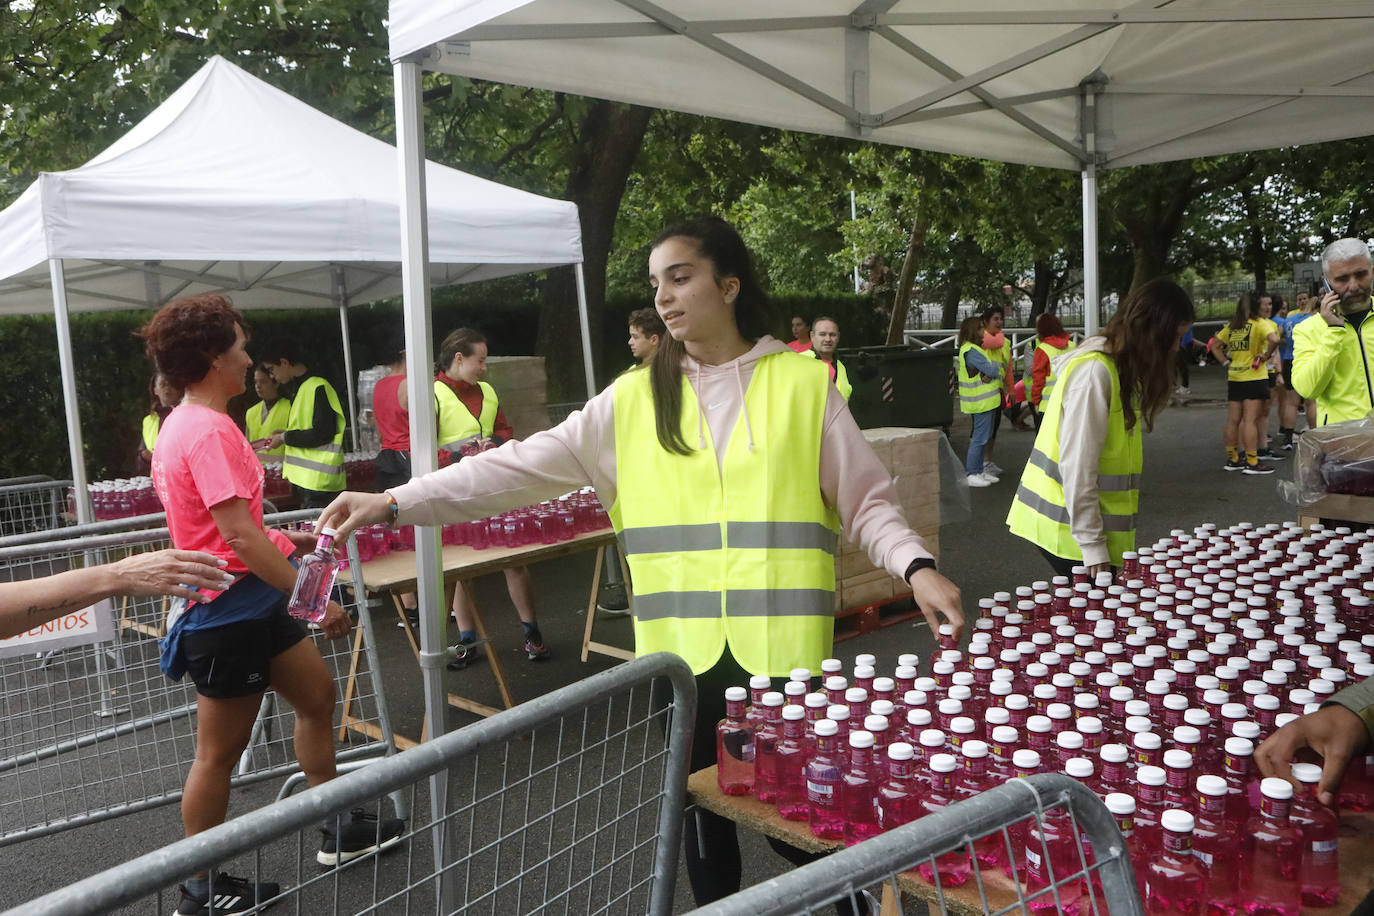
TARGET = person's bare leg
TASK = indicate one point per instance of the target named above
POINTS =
(1230, 436)
(1249, 426)
(1262, 424)
(223, 727)
(461, 615)
(300, 676)
(521, 588)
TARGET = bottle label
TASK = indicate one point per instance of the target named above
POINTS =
(1323, 852)
(1204, 857)
(819, 791)
(1033, 858)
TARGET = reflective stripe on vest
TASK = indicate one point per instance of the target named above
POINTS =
(278, 419)
(1039, 512)
(730, 554)
(152, 424)
(975, 394)
(319, 468)
(457, 425)
(1050, 377)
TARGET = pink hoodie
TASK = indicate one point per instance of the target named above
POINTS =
(580, 451)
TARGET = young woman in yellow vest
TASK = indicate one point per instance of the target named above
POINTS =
(980, 396)
(469, 412)
(702, 457)
(1080, 491)
(162, 397)
(998, 349)
(267, 417)
(1244, 347)
(1052, 341)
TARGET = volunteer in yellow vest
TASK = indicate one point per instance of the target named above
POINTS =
(998, 349)
(1332, 357)
(980, 396)
(703, 458)
(1079, 493)
(1051, 341)
(270, 415)
(470, 415)
(825, 339)
(162, 397)
(314, 458)
(1244, 346)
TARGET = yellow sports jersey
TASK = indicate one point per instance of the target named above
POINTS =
(1242, 346)
(1270, 327)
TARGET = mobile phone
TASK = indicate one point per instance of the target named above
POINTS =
(1326, 285)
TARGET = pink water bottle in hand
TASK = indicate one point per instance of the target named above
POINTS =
(315, 580)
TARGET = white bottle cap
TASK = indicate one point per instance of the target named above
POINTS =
(1175, 759)
(962, 725)
(1004, 734)
(837, 713)
(918, 717)
(860, 739)
(875, 723)
(835, 682)
(1069, 741)
(1150, 775)
(1138, 724)
(975, 749)
(1234, 711)
(1137, 708)
(735, 694)
(1197, 718)
(950, 707)
(856, 695)
(1016, 701)
(914, 698)
(1275, 788)
(773, 698)
(760, 682)
(932, 737)
(1211, 785)
(865, 658)
(1026, 759)
(1039, 724)
(831, 666)
(900, 750)
(1307, 773)
(946, 763)
(794, 689)
(864, 671)
(329, 532)
(1059, 711)
(1186, 734)
(884, 685)
(1147, 741)
(882, 708)
(1248, 730)
(1120, 804)
(1120, 693)
(1044, 691)
(816, 701)
(1089, 725)
(908, 660)
(961, 693)
(1175, 702)
(1114, 753)
(1267, 702)
(1176, 821)
(996, 715)
(793, 713)
(800, 674)
(1079, 767)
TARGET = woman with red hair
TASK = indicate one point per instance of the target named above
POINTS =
(1051, 341)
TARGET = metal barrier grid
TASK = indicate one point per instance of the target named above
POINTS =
(1098, 878)
(33, 506)
(97, 731)
(569, 803)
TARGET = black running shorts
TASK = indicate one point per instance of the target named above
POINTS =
(235, 660)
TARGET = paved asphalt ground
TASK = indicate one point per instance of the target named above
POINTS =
(1183, 486)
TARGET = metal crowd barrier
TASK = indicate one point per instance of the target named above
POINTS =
(92, 732)
(32, 506)
(1098, 879)
(569, 803)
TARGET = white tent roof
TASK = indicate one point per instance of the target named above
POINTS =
(233, 185)
(997, 79)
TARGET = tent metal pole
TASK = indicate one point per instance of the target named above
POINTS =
(67, 364)
(586, 331)
(1091, 288)
(350, 379)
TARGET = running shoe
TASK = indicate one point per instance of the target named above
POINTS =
(1258, 469)
(1236, 465)
(228, 895)
(981, 480)
(464, 654)
(992, 469)
(357, 834)
(1183, 390)
(412, 617)
(536, 650)
(1269, 455)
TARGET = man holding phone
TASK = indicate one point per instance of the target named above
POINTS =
(1332, 357)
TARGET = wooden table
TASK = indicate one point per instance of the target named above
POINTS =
(395, 574)
(1356, 854)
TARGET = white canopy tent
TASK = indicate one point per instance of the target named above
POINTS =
(231, 185)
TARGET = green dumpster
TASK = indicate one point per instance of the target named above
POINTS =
(899, 385)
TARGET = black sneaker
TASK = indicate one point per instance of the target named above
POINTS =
(536, 650)
(412, 617)
(1269, 455)
(228, 895)
(1258, 469)
(1236, 465)
(358, 834)
(464, 654)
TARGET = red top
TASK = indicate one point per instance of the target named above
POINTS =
(1040, 367)
(801, 346)
(201, 460)
(471, 398)
(393, 422)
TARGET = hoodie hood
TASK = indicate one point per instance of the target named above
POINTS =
(1095, 344)
(720, 392)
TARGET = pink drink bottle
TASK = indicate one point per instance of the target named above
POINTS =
(759, 684)
(1052, 855)
(1321, 881)
(734, 746)
(791, 752)
(1178, 779)
(1149, 808)
(1114, 774)
(315, 580)
(974, 780)
(1174, 879)
(1271, 857)
(899, 795)
(766, 737)
(1216, 845)
(1024, 763)
(1241, 783)
(953, 867)
(859, 791)
(1122, 807)
(823, 777)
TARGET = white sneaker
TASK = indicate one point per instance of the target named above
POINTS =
(1183, 389)
(981, 480)
(993, 470)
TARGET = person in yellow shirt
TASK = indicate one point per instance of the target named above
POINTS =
(1243, 347)
(1267, 307)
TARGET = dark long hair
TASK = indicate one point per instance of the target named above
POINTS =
(1245, 310)
(1141, 337)
(718, 242)
(461, 340)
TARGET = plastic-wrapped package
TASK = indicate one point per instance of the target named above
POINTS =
(1333, 460)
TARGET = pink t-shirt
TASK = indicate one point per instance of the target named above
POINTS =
(201, 460)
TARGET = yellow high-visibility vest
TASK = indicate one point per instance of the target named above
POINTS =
(278, 419)
(976, 394)
(456, 423)
(319, 468)
(1050, 378)
(1332, 366)
(1039, 512)
(841, 375)
(152, 424)
(741, 554)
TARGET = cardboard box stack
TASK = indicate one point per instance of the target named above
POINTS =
(912, 458)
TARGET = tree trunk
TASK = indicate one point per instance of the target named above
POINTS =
(609, 140)
(949, 315)
(901, 298)
(1040, 292)
(1257, 253)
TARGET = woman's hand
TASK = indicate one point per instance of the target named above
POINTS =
(170, 572)
(933, 592)
(336, 621)
(350, 511)
(1098, 568)
(304, 541)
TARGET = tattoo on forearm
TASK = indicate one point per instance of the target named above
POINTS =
(34, 610)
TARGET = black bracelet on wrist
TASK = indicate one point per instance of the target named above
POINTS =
(917, 565)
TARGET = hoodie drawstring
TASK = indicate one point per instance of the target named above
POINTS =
(744, 407)
(701, 437)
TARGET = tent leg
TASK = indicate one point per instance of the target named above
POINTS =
(586, 331)
(350, 380)
(1091, 293)
(410, 147)
(67, 363)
